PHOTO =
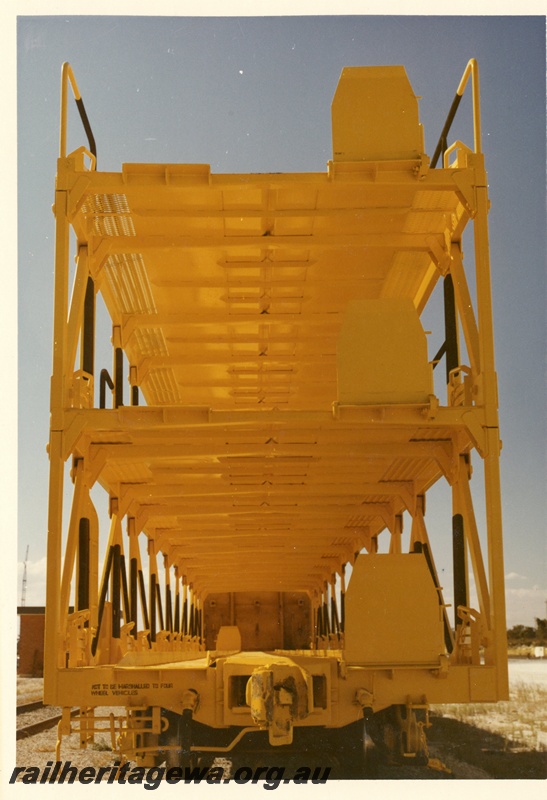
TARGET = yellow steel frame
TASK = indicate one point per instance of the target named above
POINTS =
(243, 469)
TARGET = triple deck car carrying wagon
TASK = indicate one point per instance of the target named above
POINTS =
(272, 419)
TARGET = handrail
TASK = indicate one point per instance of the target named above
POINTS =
(472, 69)
(68, 75)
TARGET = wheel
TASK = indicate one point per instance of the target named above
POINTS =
(179, 735)
(400, 739)
(351, 751)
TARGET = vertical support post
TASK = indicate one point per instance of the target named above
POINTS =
(488, 394)
(495, 558)
(395, 545)
(53, 654)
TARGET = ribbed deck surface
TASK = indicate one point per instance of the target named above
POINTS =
(230, 291)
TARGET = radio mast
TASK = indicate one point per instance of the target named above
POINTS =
(24, 589)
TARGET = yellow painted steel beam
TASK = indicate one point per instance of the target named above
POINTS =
(52, 651)
(440, 451)
(78, 501)
(472, 535)
(151, 243)
(362, 215)
(142, 180)
(314, 490)
(328, 511)
(341, 418)
(465, 309)
(76, 308)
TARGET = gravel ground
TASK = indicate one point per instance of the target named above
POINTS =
(31, 717)
(29, 689)
(37, 750)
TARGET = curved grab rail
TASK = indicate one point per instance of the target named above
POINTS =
(472, 69)
(67, 75)
(103, 381)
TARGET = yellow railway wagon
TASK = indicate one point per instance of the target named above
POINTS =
(270, 418)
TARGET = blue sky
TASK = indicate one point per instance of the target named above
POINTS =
(253, 94)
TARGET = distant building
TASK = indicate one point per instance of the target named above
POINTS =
(30, 648)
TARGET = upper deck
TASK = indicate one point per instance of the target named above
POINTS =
(230, 290)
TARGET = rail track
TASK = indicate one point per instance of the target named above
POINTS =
(25, 708)
(36, 725)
